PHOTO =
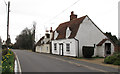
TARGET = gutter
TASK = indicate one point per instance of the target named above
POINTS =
(78, 46)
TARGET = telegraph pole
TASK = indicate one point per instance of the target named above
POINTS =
(8, 20)
(33, 36)
(8, 41)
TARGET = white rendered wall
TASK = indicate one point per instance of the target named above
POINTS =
(43, 48)
(73, 47)
(88, 35)
(101, 49)
(37, 48)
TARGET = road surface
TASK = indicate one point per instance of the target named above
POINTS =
(39, 62)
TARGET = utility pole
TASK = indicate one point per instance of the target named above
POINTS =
(8, 36)
(8, 19)
(33, 36)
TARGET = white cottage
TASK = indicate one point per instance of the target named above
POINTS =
(44, 44)
(70, 37)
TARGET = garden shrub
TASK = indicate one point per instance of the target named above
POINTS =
(4, 51)
(117, 62)
(109, 59)
(113, 59)
(8, 62)
(88, 51)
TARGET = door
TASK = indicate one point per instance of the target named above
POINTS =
(107, 48)
(61, 49)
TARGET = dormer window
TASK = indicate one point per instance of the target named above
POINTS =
(55, 35)
(47, 35)
(68, 32)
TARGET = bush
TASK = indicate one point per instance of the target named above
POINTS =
(8, 62)
(117, 62)
(113, 59)
(109, 59)
(88, 51)
(4, 51)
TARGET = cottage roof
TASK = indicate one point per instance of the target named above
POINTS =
(39, 42)
(101, 42)
(73, 26)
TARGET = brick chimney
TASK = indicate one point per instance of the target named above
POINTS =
(51, 29)
(73, 16)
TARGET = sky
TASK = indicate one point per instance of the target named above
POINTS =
(50, 13)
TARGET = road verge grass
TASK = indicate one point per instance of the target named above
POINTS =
(8, 61)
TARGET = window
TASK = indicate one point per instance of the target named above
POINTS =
(68, 32)
(47, 48)
(55, 46)
(56, 34)
(68, 47)
(47, 35)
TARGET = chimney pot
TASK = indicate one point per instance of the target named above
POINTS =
(51, 29)
(73, 16)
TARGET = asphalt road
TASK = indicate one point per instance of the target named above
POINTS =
(39, 62)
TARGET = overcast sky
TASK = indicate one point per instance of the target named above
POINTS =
(50, 13)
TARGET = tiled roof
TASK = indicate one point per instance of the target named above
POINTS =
(73, 25)
(39, 42)
(101, 42)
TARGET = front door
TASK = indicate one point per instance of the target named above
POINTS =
(61, 49)
(107, 48)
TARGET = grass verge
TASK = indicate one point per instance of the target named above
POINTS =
(8, 61)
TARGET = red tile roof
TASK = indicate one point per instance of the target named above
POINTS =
(73, 25)
(101, 42)
(39, 42)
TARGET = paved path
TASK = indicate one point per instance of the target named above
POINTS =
(37, 62)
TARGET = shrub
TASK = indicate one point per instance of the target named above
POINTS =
(109, 59)
(117, 62)
(88, 51)
(4, 51)
(113, 59)
(8, 62)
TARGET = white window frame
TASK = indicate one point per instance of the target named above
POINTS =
(55, 46)
(68, 47)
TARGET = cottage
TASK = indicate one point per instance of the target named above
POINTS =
(44, 44)
(70, 37)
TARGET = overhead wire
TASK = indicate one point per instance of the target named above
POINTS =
(62, 12)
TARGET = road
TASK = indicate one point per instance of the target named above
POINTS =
(39, 62)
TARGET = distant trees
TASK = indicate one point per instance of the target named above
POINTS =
(114, 40)
(25, 39)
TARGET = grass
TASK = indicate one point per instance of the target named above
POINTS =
(0, 60)
(0, 67)
(8, 62)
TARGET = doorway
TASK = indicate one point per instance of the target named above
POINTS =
(107, 48)
(61, 49)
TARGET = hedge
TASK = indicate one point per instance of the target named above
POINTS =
(113, 59)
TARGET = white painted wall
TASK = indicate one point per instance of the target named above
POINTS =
(88, 35)
(43, 48)
(37, 48)
(101, 49)
(73, 47)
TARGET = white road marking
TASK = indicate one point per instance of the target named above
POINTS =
(18, 64)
